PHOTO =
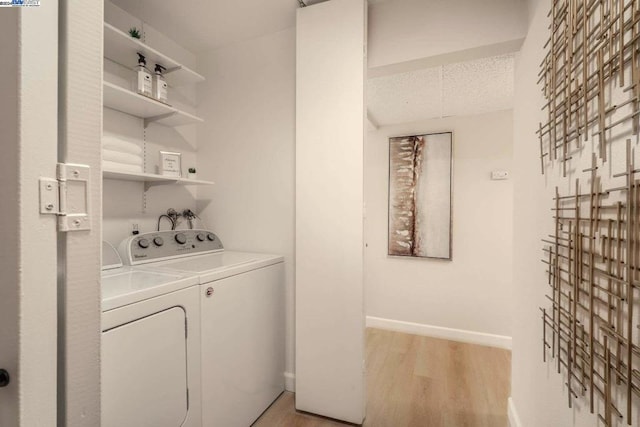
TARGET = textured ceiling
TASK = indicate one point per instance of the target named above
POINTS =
(465, 88)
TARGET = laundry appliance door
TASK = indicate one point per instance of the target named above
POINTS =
(243, 348)
(144, 372)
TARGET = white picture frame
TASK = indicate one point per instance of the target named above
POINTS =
(170, 164)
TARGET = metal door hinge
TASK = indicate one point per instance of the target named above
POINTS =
(67, 196)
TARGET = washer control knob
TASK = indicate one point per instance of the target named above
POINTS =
(181, 238)
(158, 241)
(211, 236)
(143, 243)
(201, 237)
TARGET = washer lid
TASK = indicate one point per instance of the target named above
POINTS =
(129, 285)
(219, 265)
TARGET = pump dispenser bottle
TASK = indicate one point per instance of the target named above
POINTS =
(159, 84)
(143, 80)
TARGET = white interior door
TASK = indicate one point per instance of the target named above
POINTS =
(330, 116)
(28, 150)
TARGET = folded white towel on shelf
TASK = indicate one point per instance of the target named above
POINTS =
(119, 157)
(119, 143)
(120, 167)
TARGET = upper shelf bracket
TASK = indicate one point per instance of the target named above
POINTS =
(172, 69)
(150, 120)
(149, 184)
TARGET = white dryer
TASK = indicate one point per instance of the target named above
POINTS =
(150, 347)
(242, 308)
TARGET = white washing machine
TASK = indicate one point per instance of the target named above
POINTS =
(150, 347)
(242, 308)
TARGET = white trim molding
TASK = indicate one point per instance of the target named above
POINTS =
(514, 419)
(290, 382)
(472, 337)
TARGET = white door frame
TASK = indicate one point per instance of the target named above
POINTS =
(80, 119)
(28, 292)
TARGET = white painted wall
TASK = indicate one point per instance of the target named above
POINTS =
(137, 16)
(532, 6)
(539, 396)
(28, 294)
(473, 291)
(410, 30)
(330, 114)
(247, 146)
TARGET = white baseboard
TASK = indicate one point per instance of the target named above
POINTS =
(514, 419)
(471, 337)
(290, 381)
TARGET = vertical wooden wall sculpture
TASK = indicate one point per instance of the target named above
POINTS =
(590, 78)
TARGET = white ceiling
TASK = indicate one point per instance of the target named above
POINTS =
(473, 87)
(200, 25)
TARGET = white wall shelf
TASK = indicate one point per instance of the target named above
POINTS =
(122, 48)
(178, 118)
(126, 101)
(150, 179)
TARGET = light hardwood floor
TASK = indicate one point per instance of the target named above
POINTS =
(416, 381)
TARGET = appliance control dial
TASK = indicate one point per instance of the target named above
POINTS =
(181, 238)
(159, 241)
(143, 243)
(201, 237)
(211, 236)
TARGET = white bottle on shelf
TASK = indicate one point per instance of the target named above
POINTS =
(143, 81)
(159, 84)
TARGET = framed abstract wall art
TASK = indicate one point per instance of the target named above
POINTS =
(420, 186)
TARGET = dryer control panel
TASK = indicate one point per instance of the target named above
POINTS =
(164, 245)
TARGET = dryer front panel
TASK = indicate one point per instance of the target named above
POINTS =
(243, 346)
(144, 372)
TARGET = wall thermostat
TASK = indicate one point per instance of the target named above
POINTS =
(499, 175)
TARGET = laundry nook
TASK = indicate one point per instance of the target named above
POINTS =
(320, 213)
